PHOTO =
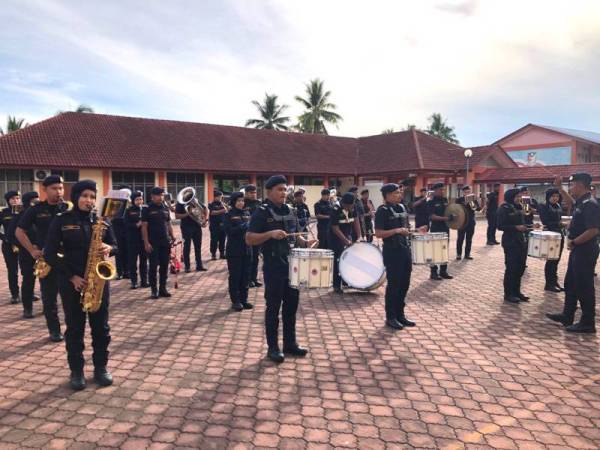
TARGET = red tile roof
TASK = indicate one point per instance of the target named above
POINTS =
(538, 173)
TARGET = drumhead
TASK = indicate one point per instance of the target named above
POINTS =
(545, 234)
(429, 236)
(311, 253)
(361, 265)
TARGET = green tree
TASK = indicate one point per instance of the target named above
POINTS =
(82, 108)
(270, 115)
(13, 124)
(318, 109)
(410, 126)
(439, 128)
(388, 131)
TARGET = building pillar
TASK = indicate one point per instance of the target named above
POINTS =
(574, 152)
(210, 187)
(290, 179)
(162, 180)
(105, 181)
(253, 179)
(326, 182)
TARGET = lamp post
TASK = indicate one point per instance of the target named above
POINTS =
(468, 153)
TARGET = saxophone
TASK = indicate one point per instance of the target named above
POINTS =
(97, 269)
(41, 269)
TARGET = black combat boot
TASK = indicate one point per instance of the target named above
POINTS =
(77, 380)
(102, 376)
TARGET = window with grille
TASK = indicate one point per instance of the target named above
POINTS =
(15, 179)
(136, 181)
(176, 181)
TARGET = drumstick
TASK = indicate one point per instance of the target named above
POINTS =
(304, 233)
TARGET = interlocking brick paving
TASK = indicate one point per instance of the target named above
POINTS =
(190, 373)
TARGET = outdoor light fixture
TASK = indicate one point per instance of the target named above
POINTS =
(468, 153)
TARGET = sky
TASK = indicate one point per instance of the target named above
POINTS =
(489, 67)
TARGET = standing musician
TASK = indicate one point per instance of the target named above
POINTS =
(420, 209)
(530, 208)
(491, 210)
(393, 226)
(511, 221)
(38, 217)
(270, 226)
(369, 210)
(191, 231)
(120, 231)
(72, 231)
(302, 211)
(235, 225)
(157, 233)
(217, 236)
(439, 224)
(550, 215)
(342, 224)
(359, 213)
(135, 241)
(9, 251)
(471, 205)
(583, 244)
(251, 203)
(322, 213)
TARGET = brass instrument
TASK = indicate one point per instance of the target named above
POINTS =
(526, 202)
(187, 197)
(97, 269)
(470, 200)
(64, 205)
(16, 209)
(41, 268)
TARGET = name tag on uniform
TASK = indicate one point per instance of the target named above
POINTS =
(236, 218)
(70, 227)
(269, 219)
(43, 215)
(153, 213)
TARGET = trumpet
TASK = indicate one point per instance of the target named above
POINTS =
(526, 202)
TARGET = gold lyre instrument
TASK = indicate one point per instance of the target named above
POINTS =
(187, 197)
(470, 200)
(526, 202)
(16, 209)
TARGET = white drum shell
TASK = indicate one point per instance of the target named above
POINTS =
(310, 268)
(430, 248)
(361, 266)
(544, 245)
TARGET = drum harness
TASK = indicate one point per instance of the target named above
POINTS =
(404, 217)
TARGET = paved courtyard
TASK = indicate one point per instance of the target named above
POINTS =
(190, 373)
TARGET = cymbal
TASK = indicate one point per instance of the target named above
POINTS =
(459, 214)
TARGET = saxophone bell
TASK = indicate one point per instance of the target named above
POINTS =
(106, 270)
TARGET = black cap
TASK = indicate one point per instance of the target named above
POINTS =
(157, 190)
(52, 179)
(250, 188)
(81, 186)
(353, 189)
(581, 177)
(438, 186)
(298, 193)
(136, 194)
(234, 196)
(464, 188)
(389, 187)
(523, 189)
(275, 180)
(217, 193)
(364, 191)
(11, 194)
(28, 196)
(325, 192)
(348, 198)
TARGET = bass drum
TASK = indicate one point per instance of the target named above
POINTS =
(361, 266)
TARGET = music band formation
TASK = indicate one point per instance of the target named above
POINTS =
(66, 246)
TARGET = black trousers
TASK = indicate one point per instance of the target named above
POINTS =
(159, 260)
(11, 259)
(121, 257)
(579, 283)
(190, 238)
(75, 319)
(515, 258)
(49, 287)
(238, 267)
(26, 263)
(368, 231)
(322, 237)
(278, 293)
(443, 267)
(491, 229)
(135, 253)
(217, 240)
(467, 232)
(253, 267)
(398, 268)
(337, 278)
(551, 267)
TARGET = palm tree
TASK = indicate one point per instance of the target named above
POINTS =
(318, 109)
(13, 124)
(439, 128)
(270, 113)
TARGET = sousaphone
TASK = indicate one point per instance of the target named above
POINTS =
(457, 215)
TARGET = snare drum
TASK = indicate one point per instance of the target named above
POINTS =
(311, 268)
(361, 266)
(544, 244)
(430, 248)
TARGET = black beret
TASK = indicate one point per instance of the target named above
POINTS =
(299, 193)
(582, 177)
(438, 186)
(496, 184)
(325, 192)
(353, 189)
(122, 186)
(136, 194)
(389, 187)
(11, 194)
(81, 186)
(275, 180)
(364, 191)
(217, 193)
(250, 188)
(52, 179)
(28, 196)
(466, 187)
(234, 196)
(157, 190)
(523, 189)
(407, 182)
(348, 198)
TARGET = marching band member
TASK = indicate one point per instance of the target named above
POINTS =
(157, 233)
(491, 210)
(583, 244)
(471, 205)
(251, 203)
(191, 232)
(369, 210)
(135, 241)
(235, 225)
(11, 253)
(393, 227)
(72, 231)
(217, 235)
(439, 224)
(420, 209)
(120, 230)
(550, 215)
(342, 224)
(270, 227)
(322, 212)
(302, 211)
(359, 213)
(38, 217)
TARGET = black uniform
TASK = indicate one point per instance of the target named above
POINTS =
(359, 214)
(158, 218)
(303, 214)
(39, 218)
(235, 225)
(250, 206)
(217, 234)
(437, 206)
(550, 216)
(421, 212)
(270, 217)
(72, 231)
(26, 262)
(11, 257)
(490, 214)
(397, 258)
(322, 207)
(469, 229)
(345, 221)
(135, 244)
(191, 231)
(514, 243)
(121, 258)
(579, 281)
(529, 217)
(368, 220)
